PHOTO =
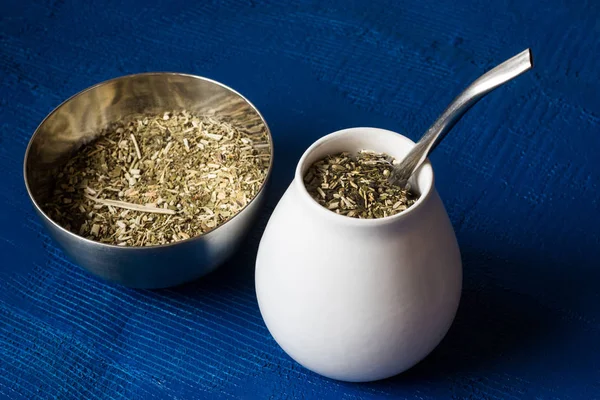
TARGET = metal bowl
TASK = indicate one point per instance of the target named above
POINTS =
(77, 121)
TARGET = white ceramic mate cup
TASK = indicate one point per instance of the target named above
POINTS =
(358, 299)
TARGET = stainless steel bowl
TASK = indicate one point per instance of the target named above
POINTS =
(76, 122)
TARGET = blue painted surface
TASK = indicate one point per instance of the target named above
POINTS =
(519, 176)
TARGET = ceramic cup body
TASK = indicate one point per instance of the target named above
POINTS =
(358, 300)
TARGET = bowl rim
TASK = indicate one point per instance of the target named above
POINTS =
(153, 247)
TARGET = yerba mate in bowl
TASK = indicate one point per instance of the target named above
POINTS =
(357, 186)
(150, 180)
(159, 178)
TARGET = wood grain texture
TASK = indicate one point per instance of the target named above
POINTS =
(519, 176)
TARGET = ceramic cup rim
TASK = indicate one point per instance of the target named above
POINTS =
(425, 172)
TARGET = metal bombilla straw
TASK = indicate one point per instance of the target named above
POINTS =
(489, 81)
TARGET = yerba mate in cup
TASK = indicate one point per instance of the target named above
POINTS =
(357, 186)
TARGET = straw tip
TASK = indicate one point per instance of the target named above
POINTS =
(529, 56)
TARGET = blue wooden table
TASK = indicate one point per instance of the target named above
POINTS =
(519, 176)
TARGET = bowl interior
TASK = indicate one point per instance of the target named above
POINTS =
(79, 119)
